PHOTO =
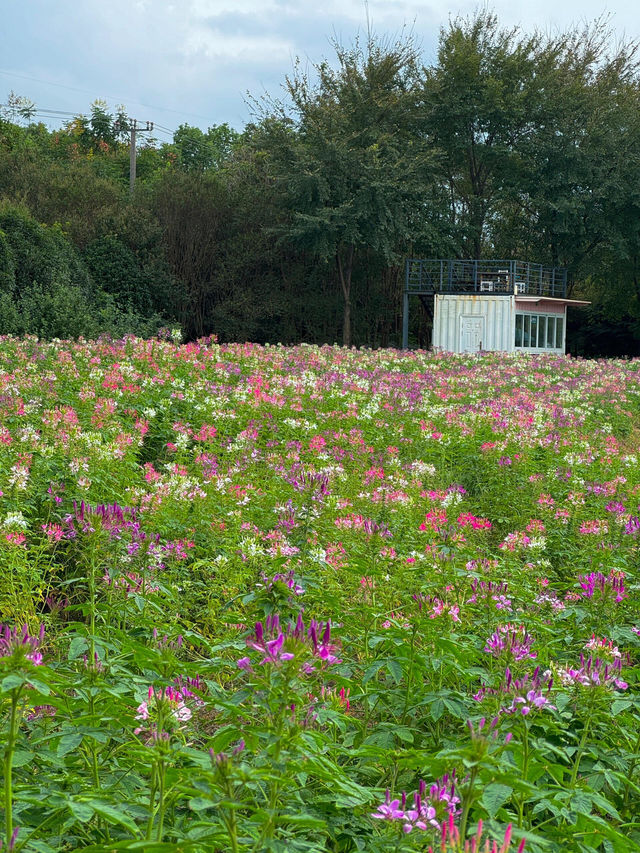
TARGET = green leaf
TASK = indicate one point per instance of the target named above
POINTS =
(403, 733)
(395, 670)
(437, 709)
(114, 815)
(82, 811)
(10, 682)
(22, 757)
(620, 705)
(77, 647)
(372, 670)
(456, 707)
(200, 804)
(494, 796)
(302, 820)
(68, 743)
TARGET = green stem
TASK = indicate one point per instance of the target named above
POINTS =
(92, 614)
(579, 753)
(8, 763)
(152, 802)
(161, 804)
(627, 787)
(467, 804)
(269, 828)
(407, 694)
(231, 823)
(525, 772)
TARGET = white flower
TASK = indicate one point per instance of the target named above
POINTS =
(16, 519)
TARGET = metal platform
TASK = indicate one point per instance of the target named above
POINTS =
(428, 276)
(432, 275)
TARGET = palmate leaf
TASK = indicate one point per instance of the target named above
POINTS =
(494, 796)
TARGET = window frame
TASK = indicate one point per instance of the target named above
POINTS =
(542, 328)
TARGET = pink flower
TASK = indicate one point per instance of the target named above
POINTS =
(54, 532)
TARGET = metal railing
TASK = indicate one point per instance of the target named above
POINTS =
(431, 275)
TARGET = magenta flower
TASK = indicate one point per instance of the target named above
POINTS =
(511, 641)
(594, 672)
(18, 644)
(603, 585)
(324, 649)
(272, 649)
(389, 809)
(424, 813)
(269, 639)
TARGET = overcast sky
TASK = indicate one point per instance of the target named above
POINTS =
(194, 61)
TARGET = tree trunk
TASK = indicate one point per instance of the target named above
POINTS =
(346, 324)
(344, 274)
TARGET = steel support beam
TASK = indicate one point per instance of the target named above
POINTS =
(405, 320)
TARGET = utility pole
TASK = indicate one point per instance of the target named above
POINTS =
(134, 128)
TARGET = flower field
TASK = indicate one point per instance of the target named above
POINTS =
(313, 599)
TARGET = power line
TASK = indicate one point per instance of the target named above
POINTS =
(109, 97)
(44, 112)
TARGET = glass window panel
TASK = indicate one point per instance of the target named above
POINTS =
(559, 329)
(533, 340)
(551, 332)
(527, 330)
(518, 341)
(542, 330)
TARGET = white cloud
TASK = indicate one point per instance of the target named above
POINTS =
(201, 56)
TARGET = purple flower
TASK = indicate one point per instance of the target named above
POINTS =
(323, 649)
(287, 579)
(17, 643)
(512, 641)
(596, 582)
(526, 693)
(269, 639)
(632, 526)
(594, 672)
(428, 809)
(389, 809)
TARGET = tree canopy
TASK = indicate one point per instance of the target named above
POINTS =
(511, 144)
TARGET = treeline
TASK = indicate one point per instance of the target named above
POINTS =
(510, 146)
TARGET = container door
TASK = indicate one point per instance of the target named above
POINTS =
(471, 334)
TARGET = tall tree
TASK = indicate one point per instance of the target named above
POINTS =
(347, 159)
(482, 98)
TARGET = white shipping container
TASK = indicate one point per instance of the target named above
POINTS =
(468, 322)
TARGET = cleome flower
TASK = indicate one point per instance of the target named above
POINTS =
(595, 584)
(269, 639)
(163, 711)
(424, 811)
(593, 672)
(522, 695)
(510, 641)
(20, 646)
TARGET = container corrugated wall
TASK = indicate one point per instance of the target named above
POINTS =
(497, 311)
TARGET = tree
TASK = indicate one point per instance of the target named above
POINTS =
(482, 99)
(580, 163)
(195, 213)
(348, 162)
(198, 151)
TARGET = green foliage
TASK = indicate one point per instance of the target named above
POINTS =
(198, 151)
(510, 145)
(7, 266)
(466, 535)
(40, 255)
(114, 268)
(349, 165)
